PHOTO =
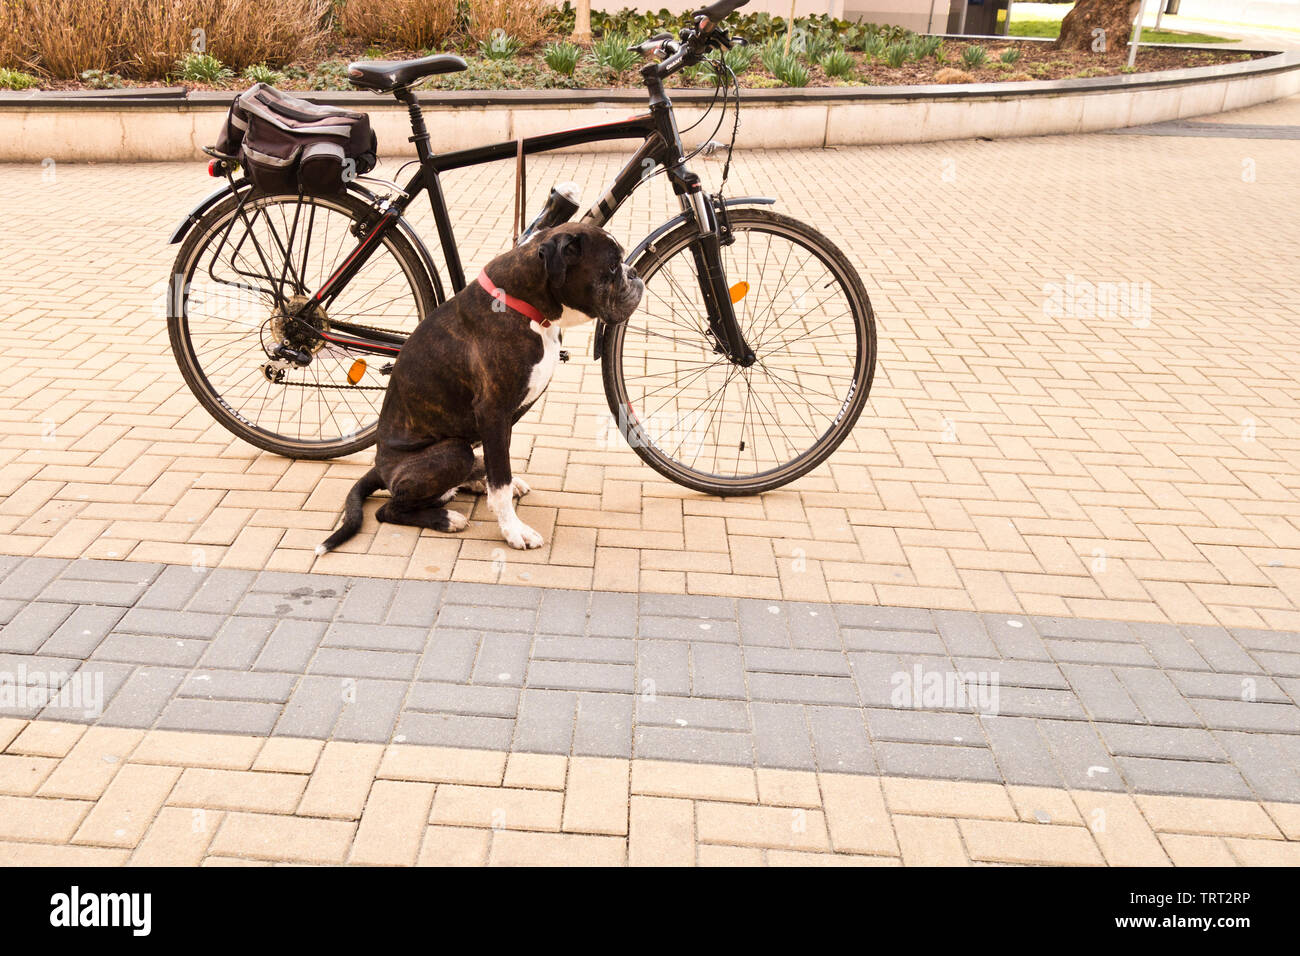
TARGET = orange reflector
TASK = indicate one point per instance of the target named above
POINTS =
(356, 371)
(739, 291)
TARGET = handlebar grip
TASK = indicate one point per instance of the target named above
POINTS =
(717, 11)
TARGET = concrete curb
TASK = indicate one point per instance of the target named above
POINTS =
(170, 123)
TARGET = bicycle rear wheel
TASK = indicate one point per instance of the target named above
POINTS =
(225, 324)
(715, 427)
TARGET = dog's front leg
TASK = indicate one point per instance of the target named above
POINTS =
(500, 484)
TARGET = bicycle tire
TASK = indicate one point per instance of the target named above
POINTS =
(677, 242)
(188, 259)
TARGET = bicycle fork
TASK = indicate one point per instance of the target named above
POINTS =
(707, 253)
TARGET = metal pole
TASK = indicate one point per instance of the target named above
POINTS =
(961, 27)
(1137, 34)
(1160, 13)
(929, 22)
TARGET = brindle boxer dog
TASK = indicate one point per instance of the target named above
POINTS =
(473, 367)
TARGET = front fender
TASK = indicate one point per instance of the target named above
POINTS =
(243, 183)
(598, 338)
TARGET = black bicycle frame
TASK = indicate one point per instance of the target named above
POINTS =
(661, 147)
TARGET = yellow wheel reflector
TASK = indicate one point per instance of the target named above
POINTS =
(357, 370)
(739, 291)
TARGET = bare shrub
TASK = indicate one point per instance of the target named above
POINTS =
(525, 20)
(410, 24)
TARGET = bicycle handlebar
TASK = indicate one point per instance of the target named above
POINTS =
(716, 11)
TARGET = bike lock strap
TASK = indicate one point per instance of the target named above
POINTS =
(717, 11)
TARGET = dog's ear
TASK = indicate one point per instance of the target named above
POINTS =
(556, 252)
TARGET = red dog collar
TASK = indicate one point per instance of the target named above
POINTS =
(519, 305)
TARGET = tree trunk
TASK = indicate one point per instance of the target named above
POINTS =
(1115, 17)
(582, 23)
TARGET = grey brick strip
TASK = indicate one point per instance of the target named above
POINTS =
(1087, 704)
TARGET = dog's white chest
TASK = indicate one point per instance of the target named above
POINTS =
(545, 368)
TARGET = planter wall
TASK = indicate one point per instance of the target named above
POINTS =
(168, 124)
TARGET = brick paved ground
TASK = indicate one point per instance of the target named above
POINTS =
(1009, 461)
(1097, 510)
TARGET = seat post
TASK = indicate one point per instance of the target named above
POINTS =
(419, 131)
(420, 137)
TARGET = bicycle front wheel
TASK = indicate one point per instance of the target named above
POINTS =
(237, 279)
(716, 427)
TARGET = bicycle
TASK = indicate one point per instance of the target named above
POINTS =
(726, 387)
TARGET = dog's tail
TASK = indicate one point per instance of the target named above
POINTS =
(370, 483)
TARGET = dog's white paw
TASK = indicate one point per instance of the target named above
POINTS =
(457, 520)
(520, 488)
(521, 537)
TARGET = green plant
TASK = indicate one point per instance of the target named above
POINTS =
(874, 47)
(940, 54)
(974, 56)
(16, 80)
(102, 80)
(261, 73)
(1010, 55)
(739, 59)
(612, 55)
(837, 63)
(896, 54)
(330, 75)
(499, 46)
(202, 68)
(562, 57)
(927, 46)
(791, 72)
(770, 54)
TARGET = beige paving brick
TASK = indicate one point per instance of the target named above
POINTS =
(661, 832)
(341, 781)
(276, 837)
(255, 791)
(44, 854)
(801, 858)
(708, 854)
(1044, 805)
(189, 749)
(1287, 818)
(1169, 814)
(596, 800)
(497, 807)
(744, 825)
(442, 765)
(10, 727)
(288, 755)
(1187, 850)
(47, 738)
(454, 846)
(856, 814)
(929, 841)
(1002, 842)
(127, 807)
(92, 763)
(556, 849)
(788, 788)
(177, 837)
(659, 778)
(948, 798)
(392, 824)
(1120, 830)
(21, 776)
(37, 819)
(1264, 852)
(536, 771)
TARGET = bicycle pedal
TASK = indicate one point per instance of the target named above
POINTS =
(564, 355)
